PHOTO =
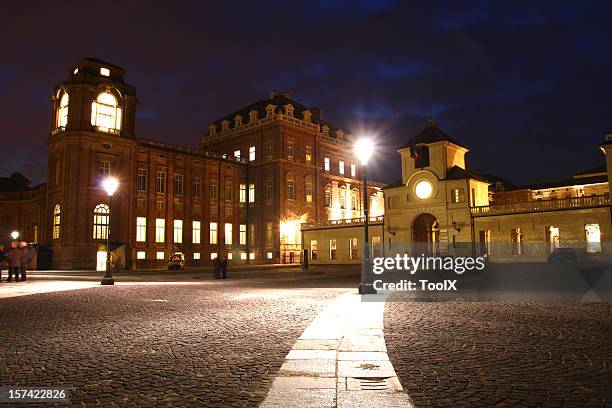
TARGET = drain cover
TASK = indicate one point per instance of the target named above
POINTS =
(373, 384)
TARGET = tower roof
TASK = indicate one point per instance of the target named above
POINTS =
(431, 134)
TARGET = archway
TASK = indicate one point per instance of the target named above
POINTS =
(425, 235)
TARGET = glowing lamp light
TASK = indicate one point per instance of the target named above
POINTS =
(423, 189)
(15, 234)
(110, 184)
(364, 147)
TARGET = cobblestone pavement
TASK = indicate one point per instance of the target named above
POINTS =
(210, 344)
(502, 354)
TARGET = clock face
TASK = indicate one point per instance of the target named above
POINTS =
(423, 189)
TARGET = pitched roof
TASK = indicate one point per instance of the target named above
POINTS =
(431, 134)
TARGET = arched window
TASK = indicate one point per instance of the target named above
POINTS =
(100, 224)
(57, 219)
(62, 112)
(105, 114)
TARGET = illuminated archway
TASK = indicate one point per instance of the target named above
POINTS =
(425, 234)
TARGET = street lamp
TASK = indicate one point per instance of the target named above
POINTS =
(110, 184)
(15, 235)
(364, 148)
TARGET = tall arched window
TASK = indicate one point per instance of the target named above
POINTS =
(57, 220)
(105, 114)
(100, 224)
(62, 111)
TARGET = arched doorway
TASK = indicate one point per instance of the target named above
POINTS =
(425, 235)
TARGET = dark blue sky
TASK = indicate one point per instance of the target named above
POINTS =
(526, 86)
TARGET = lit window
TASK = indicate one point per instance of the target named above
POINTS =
(104, 71)
(252, 255)
(195, 233)
(62, 111)
(552, 238)
(160, 230)
(213, 255)
(243, 193)
(251, 153)
(353, 170)
(141, 229)
(230, 256)
(243, 255)
(105, 113)
(237, 154)
(160, 255)
(593, 238)
(290, 150)
(308, 191)
(516, 238)
(76, 71)
(353, 252)
(251, 193)
(196, 255)
(326, 163)
(332, 249)
(341, 167)
(353, 200)
(243, 234)
(290, 190)
(57, 219)
(178, 231)
(457, 195)
(100, 224)
(327, 197)
(228, 234)
(269, 255)
(313, 249)
(140, 255)
(104, 169)
(212, 238)
(308, 154)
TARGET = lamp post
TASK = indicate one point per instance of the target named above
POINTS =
(15, 235)
(364, 147)
(110, 184)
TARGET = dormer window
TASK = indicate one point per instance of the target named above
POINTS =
(340, 134)
(325, 130)
(238, 121)
(104, 71)
(270, 110)
(105, 113)
(289, 110)
(253, 116)
(62, 111)
(212, 130)
(224, 125)
(307, 116)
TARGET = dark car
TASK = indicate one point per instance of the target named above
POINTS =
(563, 255)
(176, 262)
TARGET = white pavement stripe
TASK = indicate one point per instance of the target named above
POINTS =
(340, 360)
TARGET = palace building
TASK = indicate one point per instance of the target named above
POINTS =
(243, 192)
(439, 207)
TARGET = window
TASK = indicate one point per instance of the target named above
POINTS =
(243, 193)
(104, 169)
(197, 187)
(104, 71)
(62, 111)
(196, 255)
(213, 189)
(457, 195)
(593, 238)
(552, 238)
(516, 240)
(290, 150)
(160, 255)
(141, 229)
(308, 154)
(213, 234)
(341, 167)
(376, 247)
(251, 193)
(140, 255)
(251, 153)
(269, 150)
(243, 234)
(313, 249)
(160, 182)
(178, 231)
(252, 255)
(243, 256)
(229, 191)
(327, 197)
(290, 190)
(269, 233)
(473, 197)
(332, 249)
(326, 164)
(100, 224)
(213, 255)
(105, 114)
(237, 154)
(268, 255)
(308, 191)
(251, 233)
(228, 234)
(57, 221)
(485, 242)
(160, 230)
(178, 184)
(195, 232)
(343, 198)
(353, 170)
(353, 200)
(269, 190)
(353, 254)
(160, 203)
(141, 203)
(141, 179)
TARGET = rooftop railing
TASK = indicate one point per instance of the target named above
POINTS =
(542, 205)
(189, 150)
(342, 223)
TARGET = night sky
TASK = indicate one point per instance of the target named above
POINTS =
(526, 86)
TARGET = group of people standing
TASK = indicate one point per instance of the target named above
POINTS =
(220, 268)
(17, 259)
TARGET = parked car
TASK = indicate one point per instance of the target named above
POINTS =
(563, 255)
(176, 262)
